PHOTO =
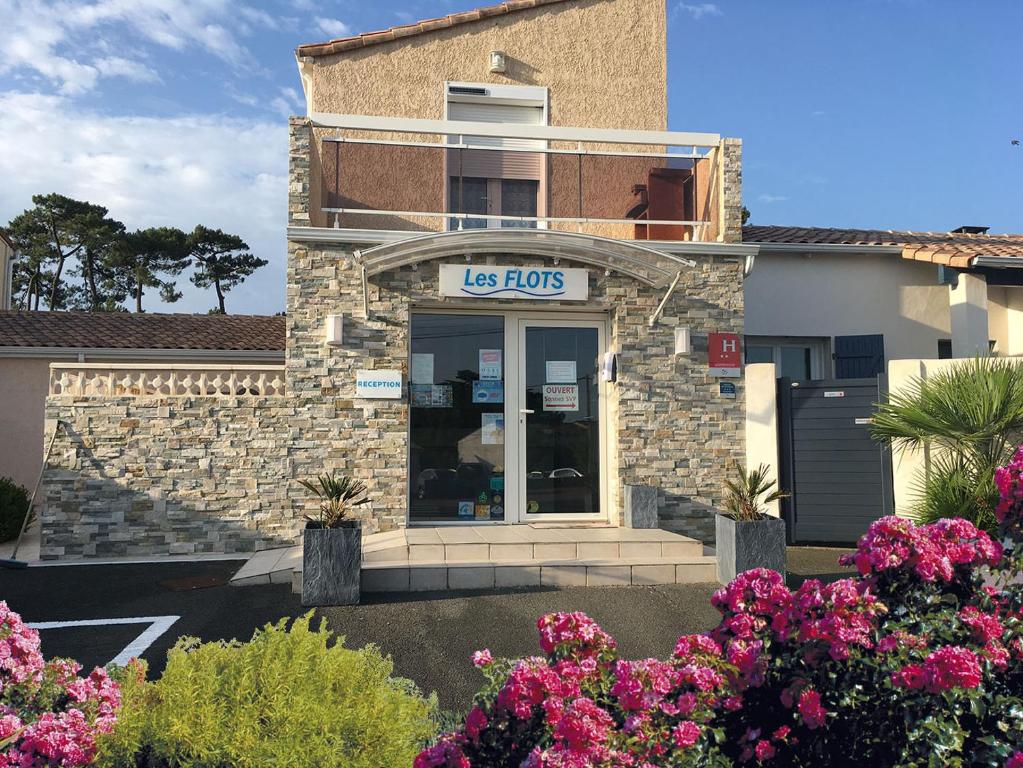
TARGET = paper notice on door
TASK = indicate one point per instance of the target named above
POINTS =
(561, 397)
(492, 429)
(488, 392)
(561, 372)
(421, 369)
(490, 365)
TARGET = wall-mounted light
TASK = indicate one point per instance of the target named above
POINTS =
(334, 330)
(683, 342)
(498, 62)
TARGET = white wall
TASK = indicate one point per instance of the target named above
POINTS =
(1005, 318)
(762, 422)
(827, 295)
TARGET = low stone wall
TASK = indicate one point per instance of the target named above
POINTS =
(174, 475)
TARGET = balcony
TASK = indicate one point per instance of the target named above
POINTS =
(410, 175)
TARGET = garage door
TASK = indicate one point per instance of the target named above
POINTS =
(839, 478)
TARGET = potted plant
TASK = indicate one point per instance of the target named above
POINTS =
(332, 544)
(746, 537)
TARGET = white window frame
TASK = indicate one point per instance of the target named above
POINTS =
(820, 351)
(508, 95)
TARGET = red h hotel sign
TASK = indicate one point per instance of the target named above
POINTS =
(724, 357)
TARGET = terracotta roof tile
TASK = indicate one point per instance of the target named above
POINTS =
(124, 330)
(955, 249)
(342, 44)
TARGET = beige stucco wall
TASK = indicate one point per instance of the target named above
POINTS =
(1005, 319)
(604, 62)
(827, 295)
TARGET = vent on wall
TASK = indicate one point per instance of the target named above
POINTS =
(466, 90)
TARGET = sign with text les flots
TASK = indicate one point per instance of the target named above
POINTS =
(486, 282)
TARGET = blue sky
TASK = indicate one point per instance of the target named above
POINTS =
(858, 113)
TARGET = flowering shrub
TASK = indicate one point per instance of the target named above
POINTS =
(48, 715)
(915, 661)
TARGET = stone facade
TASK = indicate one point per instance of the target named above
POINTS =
(178, 475)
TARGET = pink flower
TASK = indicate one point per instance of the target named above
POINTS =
(984, 626)
(573, 634)
(811, 710)
(583, 725)
(482, 658)
(1016, 761)
(685, 734)
(764, 750)
(945, 669)
(446, 753)
(475, 722)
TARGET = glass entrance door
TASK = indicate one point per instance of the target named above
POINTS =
(560, 439)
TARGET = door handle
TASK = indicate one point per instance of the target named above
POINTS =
(527, 411)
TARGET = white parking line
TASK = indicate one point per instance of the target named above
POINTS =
(157, 626)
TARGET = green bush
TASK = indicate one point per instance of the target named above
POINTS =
(286, 698)
(971, 416)
(13, 506)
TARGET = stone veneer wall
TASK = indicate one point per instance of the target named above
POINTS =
(170, 475)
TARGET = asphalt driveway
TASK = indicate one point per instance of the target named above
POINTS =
(429, 636)
(432, 636)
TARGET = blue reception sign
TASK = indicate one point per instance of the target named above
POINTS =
(378, 384)
(486, 282)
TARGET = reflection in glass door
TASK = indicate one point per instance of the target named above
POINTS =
(560, 418)
(456, 435)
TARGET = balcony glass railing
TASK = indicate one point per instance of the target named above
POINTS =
(386, 179)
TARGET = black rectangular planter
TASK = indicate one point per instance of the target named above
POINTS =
(745, 546)
(332, 564)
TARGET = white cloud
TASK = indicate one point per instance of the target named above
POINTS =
(59, 39)
(116, 66)
(334, 27)
(696, 10)
(219, 171)
(767, 198)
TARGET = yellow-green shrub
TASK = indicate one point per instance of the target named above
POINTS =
(286, 698)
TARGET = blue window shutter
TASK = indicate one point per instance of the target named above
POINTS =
(859, 357)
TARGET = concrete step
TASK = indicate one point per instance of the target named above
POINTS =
(537, 550)
(419, 576)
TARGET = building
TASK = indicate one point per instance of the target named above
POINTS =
(843, 303)
(506, 281)
(6, 271)
(36, 347)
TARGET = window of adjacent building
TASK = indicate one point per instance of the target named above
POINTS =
(945, 348)
(795, 358)
(493, 182)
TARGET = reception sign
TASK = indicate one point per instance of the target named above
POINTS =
(487, 282)
(378, 384)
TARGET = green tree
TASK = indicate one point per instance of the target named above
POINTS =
(100, 244)
(221, 261)
(971, 417)
(142, 260)
(57, 228)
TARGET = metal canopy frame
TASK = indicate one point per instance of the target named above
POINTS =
(648, 265)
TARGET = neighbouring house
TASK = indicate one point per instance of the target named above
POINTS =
(514, 299)
(6, 271)
(842, 303)
(37, 347)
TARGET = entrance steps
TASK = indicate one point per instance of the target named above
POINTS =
(438, 558)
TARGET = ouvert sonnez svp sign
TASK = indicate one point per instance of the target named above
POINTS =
(486, 282)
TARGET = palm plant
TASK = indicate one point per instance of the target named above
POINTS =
(338, 494)
(744, 502)
(970, 416)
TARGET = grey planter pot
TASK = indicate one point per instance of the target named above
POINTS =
(332, 564)
(745, 546)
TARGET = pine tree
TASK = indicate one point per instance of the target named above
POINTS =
(221, 261)
(143, 258)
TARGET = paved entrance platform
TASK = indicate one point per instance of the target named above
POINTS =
(434, 558)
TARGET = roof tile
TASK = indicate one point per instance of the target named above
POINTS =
(124, 330)
(951, 248)
(343, 44)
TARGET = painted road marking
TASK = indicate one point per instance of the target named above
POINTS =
(157, 626)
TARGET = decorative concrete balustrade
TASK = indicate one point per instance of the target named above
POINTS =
(106, 380)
